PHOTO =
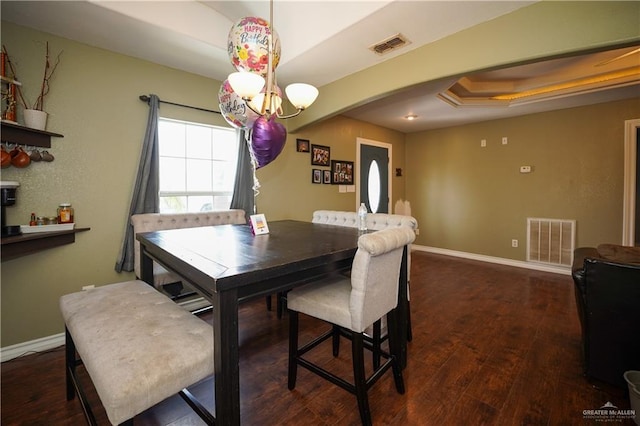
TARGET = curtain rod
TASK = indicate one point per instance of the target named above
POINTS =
(145, 98)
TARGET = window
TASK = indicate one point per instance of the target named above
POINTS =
(197, 166)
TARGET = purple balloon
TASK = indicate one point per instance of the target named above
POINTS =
(267, 140)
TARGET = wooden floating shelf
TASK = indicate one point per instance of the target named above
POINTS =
(22, 135)
(25, 244)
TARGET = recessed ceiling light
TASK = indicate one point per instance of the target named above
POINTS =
(410, 117)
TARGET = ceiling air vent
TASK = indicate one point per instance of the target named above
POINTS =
(392, 43)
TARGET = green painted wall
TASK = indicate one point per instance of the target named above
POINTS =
(473, 199)
(287, 192)
(94, 103)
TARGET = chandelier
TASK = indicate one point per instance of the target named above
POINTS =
(262, 95)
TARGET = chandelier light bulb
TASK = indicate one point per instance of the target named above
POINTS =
(258, 100)
(301, 95)
(246, 84)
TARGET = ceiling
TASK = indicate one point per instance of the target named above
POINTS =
(192, 36)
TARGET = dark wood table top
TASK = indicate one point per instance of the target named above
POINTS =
(231, 256)
(228, 264)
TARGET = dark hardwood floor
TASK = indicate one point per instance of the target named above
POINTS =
(492, 345)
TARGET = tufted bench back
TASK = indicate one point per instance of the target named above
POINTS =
(149, 222)
(337, 218)
(375, 221)
(379, 221)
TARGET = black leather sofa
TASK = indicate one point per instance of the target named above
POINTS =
(607, 291)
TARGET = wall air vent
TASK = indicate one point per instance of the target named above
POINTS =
(392, 43)
(551, 241)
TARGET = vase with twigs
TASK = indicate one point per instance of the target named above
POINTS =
(34, 114)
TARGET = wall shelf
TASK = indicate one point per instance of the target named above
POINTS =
(21, 135)
(25, 244)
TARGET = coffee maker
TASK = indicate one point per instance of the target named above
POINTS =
(8, 190)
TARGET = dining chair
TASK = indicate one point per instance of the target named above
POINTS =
(350, 305)
(328, 217)
(375, 221)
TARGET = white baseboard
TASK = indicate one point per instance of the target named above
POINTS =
(564, 270)
(50, 342)
(32, 346)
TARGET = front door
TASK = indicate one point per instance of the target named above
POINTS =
(374, 175)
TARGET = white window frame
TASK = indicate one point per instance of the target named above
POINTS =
(215, 192)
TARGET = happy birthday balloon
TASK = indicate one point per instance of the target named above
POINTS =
(267, 140)
(248, 45)
(234, 109)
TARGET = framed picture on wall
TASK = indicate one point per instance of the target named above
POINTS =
(341, 172)
(320, 155)
(302, 145)
(316, 176)
(326, 176)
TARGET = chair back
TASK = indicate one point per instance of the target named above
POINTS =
(608, 300)
(375, 273)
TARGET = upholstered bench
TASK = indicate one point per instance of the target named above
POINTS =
(137, 346)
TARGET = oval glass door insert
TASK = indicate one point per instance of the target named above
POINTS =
(373, 186)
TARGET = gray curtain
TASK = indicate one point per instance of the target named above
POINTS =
(145, 193)
(243, 197)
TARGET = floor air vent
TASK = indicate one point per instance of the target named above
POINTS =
(550, 240)
(392, 43)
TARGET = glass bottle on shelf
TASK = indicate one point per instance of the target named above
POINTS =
(65, 213)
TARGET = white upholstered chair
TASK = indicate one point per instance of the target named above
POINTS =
(375, 221)
(351, 305)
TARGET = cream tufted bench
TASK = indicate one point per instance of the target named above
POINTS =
(149, 222)
(138, 347)
(335, 217)
(375, 221)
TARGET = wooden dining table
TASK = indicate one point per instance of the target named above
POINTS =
(227, 264)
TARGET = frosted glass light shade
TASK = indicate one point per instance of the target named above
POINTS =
(276, 102)
(301, 95)
(246, 84)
